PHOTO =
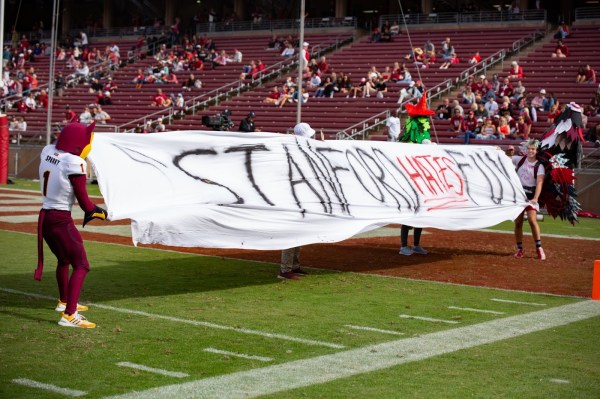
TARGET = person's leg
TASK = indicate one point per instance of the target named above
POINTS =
(78, 259)
(404, 248)
(288, 256)
(535, 232)
(417, 248)
(519, 234)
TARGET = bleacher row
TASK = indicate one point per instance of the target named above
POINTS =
(337, 113)
(129, 103)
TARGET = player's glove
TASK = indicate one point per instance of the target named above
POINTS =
(96, 213)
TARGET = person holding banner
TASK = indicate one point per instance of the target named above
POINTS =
(290, 258)
(416, 131)
(531, 172)
(62, 179)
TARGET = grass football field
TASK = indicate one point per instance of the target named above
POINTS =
(176, 325)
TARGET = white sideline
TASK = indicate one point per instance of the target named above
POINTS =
(431, 319)
(167, 373)
(475, 310)
(302, 373)
(48, 387)
(241, 355)
(187, 321)
(373, 329)
(517, 302)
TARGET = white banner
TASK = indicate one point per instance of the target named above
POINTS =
(274, 191)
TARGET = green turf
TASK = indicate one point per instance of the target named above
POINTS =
(246, 294)
(26, 184)
(586, 227)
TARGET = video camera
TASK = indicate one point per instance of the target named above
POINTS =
(220, 122)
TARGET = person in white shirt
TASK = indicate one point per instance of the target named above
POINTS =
(86, 116)
(102, 116)
(393, 126)
(237, 56)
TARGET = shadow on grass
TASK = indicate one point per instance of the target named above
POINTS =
(112, 279)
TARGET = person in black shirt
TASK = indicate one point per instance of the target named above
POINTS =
(247, 124)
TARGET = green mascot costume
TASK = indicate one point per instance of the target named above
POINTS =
(417, 125)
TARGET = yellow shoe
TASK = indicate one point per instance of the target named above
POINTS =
(62, 306)
(75, 320)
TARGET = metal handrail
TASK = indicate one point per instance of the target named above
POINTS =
(527, 40)
(463, 17)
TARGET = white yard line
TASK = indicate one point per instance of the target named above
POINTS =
(476, 310)
(48, 387)
(191, 322)
(20, 201)
(322, 369)
(379, 330)
(431, 319)
(517, 302)
(240, 355)
(559, 381)
(22, 208)
(141, 367)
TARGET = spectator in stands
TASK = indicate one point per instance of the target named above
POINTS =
(237, 56)
(326, 88)
(475, 58)
(468, 97)
(86, 116)
(103, 98)
(323, 66)
(160, 99)
(304, 96)
(179, 101)
(586, 75)
(505, 89)
(160, 126)
(481, 112)
(491, 106)
(110, 86)
(444, 110)
(452, 59)
(139, 79)
(409, 93)
(488, 131)
(287, 96)
(456, 122)
(516, 71)
(288, 51)
(447, 49)
(70, 116)
(555, 111)
(473, 127)
(30, 102)
(558, 54)
(562, 47)
(13, 125)
(429, 49)
(315, 81)
(273, 97)
(518, 91)
(522, 129)
(359, 88)
(563, 31)
(503, 129)
(21, 125)
(393, 126)
(191, 82)
(101, 116)
(42, 99)
(82, 71)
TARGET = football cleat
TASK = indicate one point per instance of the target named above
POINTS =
(75, 320)
(62, 306)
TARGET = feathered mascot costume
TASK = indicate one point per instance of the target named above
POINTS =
(417, 125)
(560, 152)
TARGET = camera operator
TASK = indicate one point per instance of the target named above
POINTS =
(247, 124)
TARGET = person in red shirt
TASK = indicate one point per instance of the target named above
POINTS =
(70, 116)
(42, 99)
(160, 99)
(516, 71)
(475, 59)
(273, 97)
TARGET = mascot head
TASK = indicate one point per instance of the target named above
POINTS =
(76, 138)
